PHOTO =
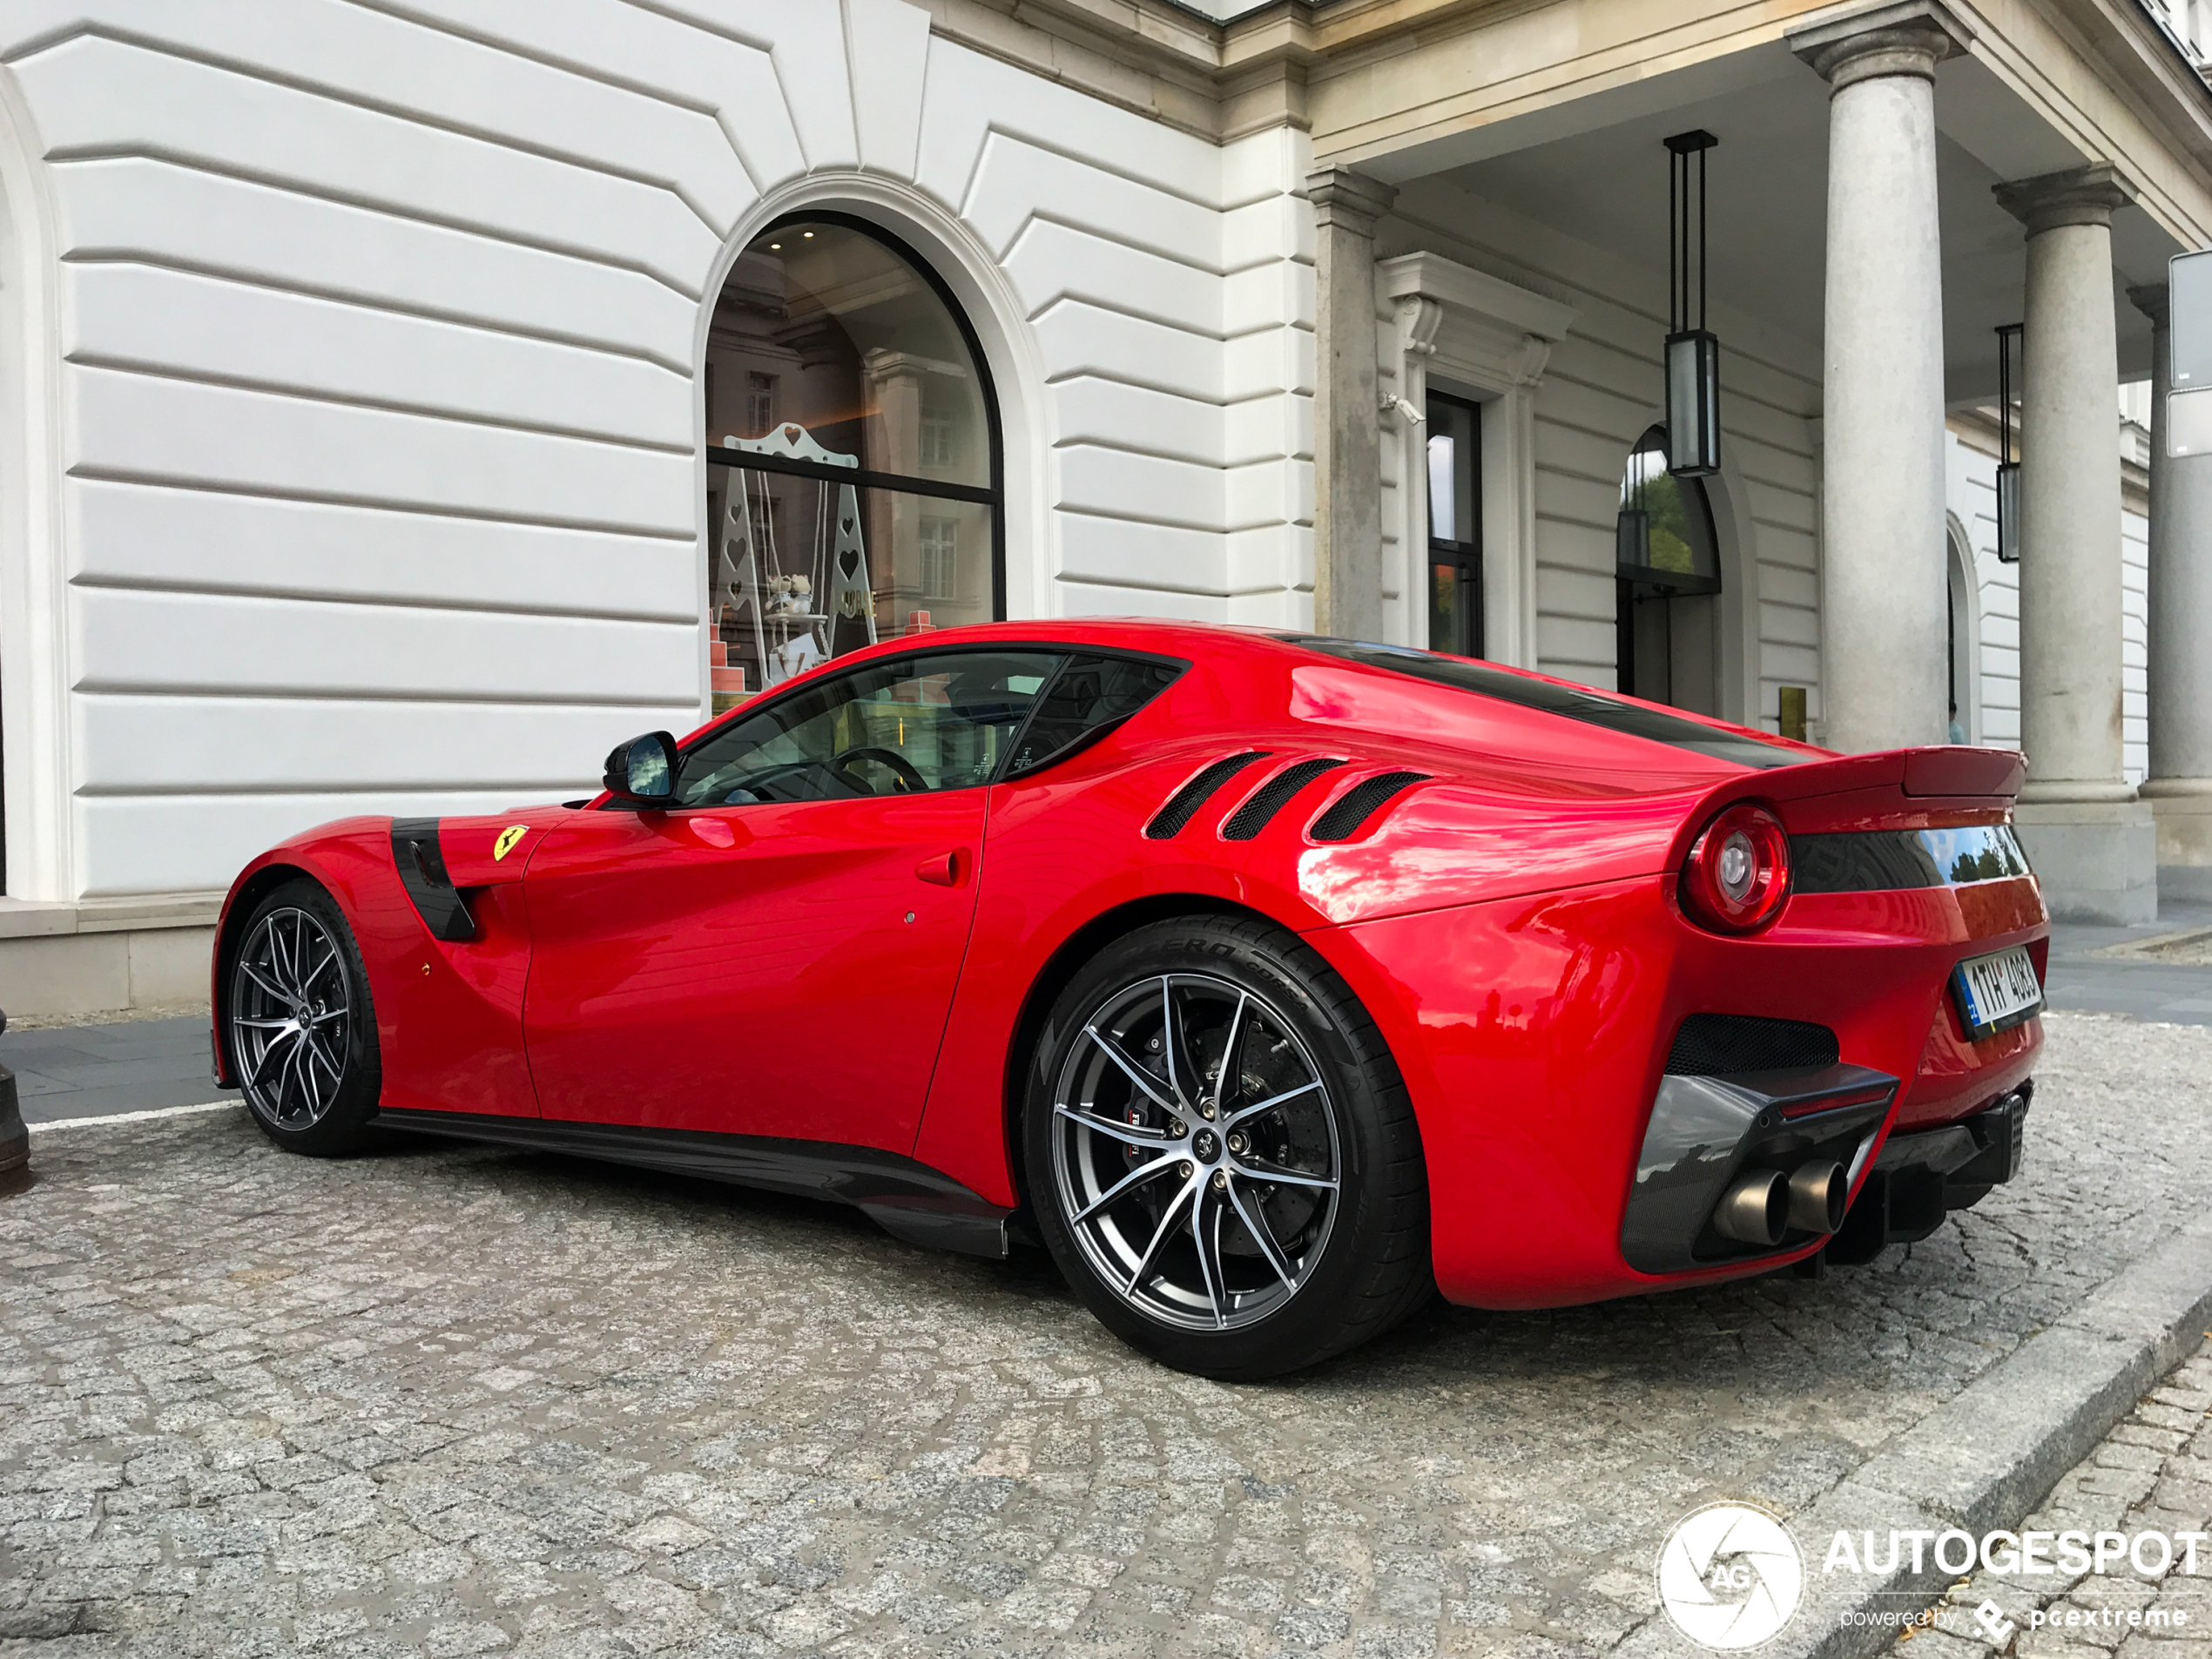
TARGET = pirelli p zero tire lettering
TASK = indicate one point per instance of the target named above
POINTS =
(1220, 1152)
(299, 1025)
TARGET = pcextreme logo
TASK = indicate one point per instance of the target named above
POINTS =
(1730, 1576)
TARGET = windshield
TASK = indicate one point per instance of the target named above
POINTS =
(1592, 708)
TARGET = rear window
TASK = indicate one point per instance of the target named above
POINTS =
(1592, 708)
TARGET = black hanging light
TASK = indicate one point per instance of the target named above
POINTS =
(1693, 353)
(2009, 469)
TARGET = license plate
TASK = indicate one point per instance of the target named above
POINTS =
(1996, 992)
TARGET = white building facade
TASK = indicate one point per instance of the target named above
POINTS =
(400, 404)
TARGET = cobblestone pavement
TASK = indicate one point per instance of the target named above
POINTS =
(2152, 1474)
(448, 1400)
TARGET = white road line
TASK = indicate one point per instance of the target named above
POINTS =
(136, 1117)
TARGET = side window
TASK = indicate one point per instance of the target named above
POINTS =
(938, 721)
(1087, 699)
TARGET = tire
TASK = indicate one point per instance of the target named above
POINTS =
(1123, 1150)
(312, 1087)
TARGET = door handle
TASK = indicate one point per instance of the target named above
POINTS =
(944, 869)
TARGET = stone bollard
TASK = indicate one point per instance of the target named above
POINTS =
(14, 1139)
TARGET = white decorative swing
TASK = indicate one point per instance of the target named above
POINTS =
(789, 635)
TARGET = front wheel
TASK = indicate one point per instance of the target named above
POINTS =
(1221, 1154)
(299, 1024)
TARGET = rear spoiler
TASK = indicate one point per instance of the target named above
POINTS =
(1864, 791)
(1979, 777)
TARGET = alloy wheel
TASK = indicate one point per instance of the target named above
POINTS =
(1195, 1150)
(288, 1012)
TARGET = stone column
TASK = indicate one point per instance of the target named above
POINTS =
(1417, 317)
(1347, 431)
(2179, 788)
(2091, 841)
(1883, 580)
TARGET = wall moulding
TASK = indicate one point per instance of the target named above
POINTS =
(1491, 338)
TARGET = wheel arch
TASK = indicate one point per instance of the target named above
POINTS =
(245, 899)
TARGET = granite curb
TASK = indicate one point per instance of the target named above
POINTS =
(1986, 1458)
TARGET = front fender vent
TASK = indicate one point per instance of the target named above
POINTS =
(1184, 804)
(1357, 804)
(1270, 797)
(421, 863)
(1719, 1045)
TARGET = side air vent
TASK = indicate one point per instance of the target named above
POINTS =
(1357, 804)
(421, 863)
(1270, 797)
(1716, 1045)
(1184, 804)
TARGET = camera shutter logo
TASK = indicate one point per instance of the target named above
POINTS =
(1730, 1576)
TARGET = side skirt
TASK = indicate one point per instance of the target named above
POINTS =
(907, 1199)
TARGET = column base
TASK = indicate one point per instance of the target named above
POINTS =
(2097, 859)
(2183, 809)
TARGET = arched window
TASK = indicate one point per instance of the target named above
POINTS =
(1667, 572)
(1962, 595)
(854, 483)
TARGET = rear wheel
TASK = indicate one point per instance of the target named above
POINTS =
(300, 1027)
(1221, 1154)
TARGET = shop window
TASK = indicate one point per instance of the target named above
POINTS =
(854, 474)
(1667, 581)
(1455, 526)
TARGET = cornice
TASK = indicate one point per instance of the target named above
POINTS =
(1221, 80)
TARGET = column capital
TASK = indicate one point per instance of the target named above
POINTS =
(1907, 38)
(1346, 200)
(2152, 300)
(2077, 196)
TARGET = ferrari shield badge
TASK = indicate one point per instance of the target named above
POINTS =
(508, 837)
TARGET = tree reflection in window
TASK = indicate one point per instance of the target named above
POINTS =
(1665, 528)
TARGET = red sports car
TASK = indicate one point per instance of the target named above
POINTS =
(1270, 981)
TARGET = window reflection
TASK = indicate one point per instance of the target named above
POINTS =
(826, 326)
(908, 727)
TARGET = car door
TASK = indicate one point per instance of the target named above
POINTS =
(775, 954)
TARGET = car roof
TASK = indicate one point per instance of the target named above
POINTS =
(1520, 702)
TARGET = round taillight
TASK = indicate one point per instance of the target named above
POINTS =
(1737, 875)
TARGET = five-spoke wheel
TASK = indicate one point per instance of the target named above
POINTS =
(1220, 1153)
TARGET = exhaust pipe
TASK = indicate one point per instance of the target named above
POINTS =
(1818, 1192)
(1755, 1209)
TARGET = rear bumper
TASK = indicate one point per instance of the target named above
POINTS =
(1534, 1036)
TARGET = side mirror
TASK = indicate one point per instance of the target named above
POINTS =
(644, 769)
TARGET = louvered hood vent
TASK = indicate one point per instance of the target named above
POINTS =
(1184, 804)
(1348, 815)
